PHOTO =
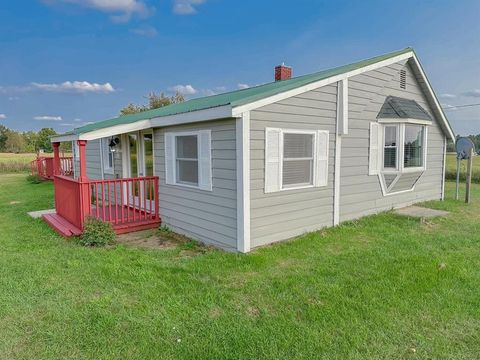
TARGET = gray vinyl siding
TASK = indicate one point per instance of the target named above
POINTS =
(94, 162)
(360, 194)
(284, 214)
(208, 216)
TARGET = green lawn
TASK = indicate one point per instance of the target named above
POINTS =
(370, 289)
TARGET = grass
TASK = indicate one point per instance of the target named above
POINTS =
(384, 287)
(15, 163)
(451, 168)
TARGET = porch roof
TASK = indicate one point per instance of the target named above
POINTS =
(225, 105)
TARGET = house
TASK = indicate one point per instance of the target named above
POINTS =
(251, 167)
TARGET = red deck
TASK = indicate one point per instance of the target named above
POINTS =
(138, 220)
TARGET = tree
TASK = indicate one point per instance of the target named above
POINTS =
(30, 138)
(43, 140)
(15, 142)
(3, 137)
(155, 101)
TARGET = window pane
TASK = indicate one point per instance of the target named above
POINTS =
(187, 147)
(413, 146)
(297, 145)
(390, 157)
(187, 171)
(297, 172)
(132, 141)
(148, 155)
(390, 136)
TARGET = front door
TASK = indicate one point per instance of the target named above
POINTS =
(139, 156)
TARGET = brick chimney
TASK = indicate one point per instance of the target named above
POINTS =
(283, 72)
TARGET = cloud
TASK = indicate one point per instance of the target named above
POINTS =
(119, 10)
(3, 116)
(215, 91)
(76, 87)
(66, 124)
(77, 120)
(186, 7)
(474, 93)
(184, 89)
(48, 118)
(448, 96)
(147, 31)
(243, 86)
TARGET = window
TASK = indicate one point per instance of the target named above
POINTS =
(107, 156)
(413, 146)
(187, 159)
(390, 147)
(297, 159)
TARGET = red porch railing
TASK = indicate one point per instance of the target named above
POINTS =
(128, 204)
(44, 167)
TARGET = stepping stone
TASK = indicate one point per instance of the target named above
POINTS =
(40, 213)
(420, 212)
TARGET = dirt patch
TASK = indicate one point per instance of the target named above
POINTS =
(14, 202)
(152, 239)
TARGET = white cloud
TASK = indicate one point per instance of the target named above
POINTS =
(77, 120)
(13, 98)
(48, 118)
(186, 7)
(3, 116)
(88, 123)
(66, 124)
(184, 89)
(474, 93)
(448, 96)
(215, 91)
(120, 10)
(76, 87)
(243, 86)
(148, 31)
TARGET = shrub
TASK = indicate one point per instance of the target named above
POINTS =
(97, 233)
(34, 179)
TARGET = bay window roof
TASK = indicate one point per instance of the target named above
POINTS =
(400, 108)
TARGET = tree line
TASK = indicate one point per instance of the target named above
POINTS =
(12, 141)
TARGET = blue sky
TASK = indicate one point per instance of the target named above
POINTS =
(68, 62)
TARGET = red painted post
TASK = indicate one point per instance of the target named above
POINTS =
(56, 159)
(84, 183)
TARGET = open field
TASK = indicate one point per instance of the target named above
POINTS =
(14, 163)
(451, 170)
(384, 287)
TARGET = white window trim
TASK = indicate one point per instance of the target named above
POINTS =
(404, 121)
(104, 153)
(174, 155)
(314, 166)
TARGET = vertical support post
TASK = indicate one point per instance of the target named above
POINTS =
(84, 185)
(56, 159)
(469, 177)
(457, 182)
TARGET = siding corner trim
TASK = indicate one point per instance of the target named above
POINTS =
(243, 181)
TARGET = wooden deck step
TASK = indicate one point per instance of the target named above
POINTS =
(61, 225)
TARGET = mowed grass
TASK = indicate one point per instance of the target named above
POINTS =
(451, 168)
(384, 287)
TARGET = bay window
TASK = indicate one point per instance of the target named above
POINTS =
(413, 146)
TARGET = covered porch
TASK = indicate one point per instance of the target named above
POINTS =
(128, 203)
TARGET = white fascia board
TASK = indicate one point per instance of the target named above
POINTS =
(404, 120)
(237, 111)
(63, 138)
(434, 98)
(219, 112)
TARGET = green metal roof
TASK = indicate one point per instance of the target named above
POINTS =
(235, 98)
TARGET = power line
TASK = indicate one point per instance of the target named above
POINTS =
(454, 107)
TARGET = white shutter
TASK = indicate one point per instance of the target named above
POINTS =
(375, 144)
(205, 160)
(321, 168)
(169, 158)
(272, 160)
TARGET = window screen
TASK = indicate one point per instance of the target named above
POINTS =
(413, 146)
(297, 159)
(390, 147)
(187, 159)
